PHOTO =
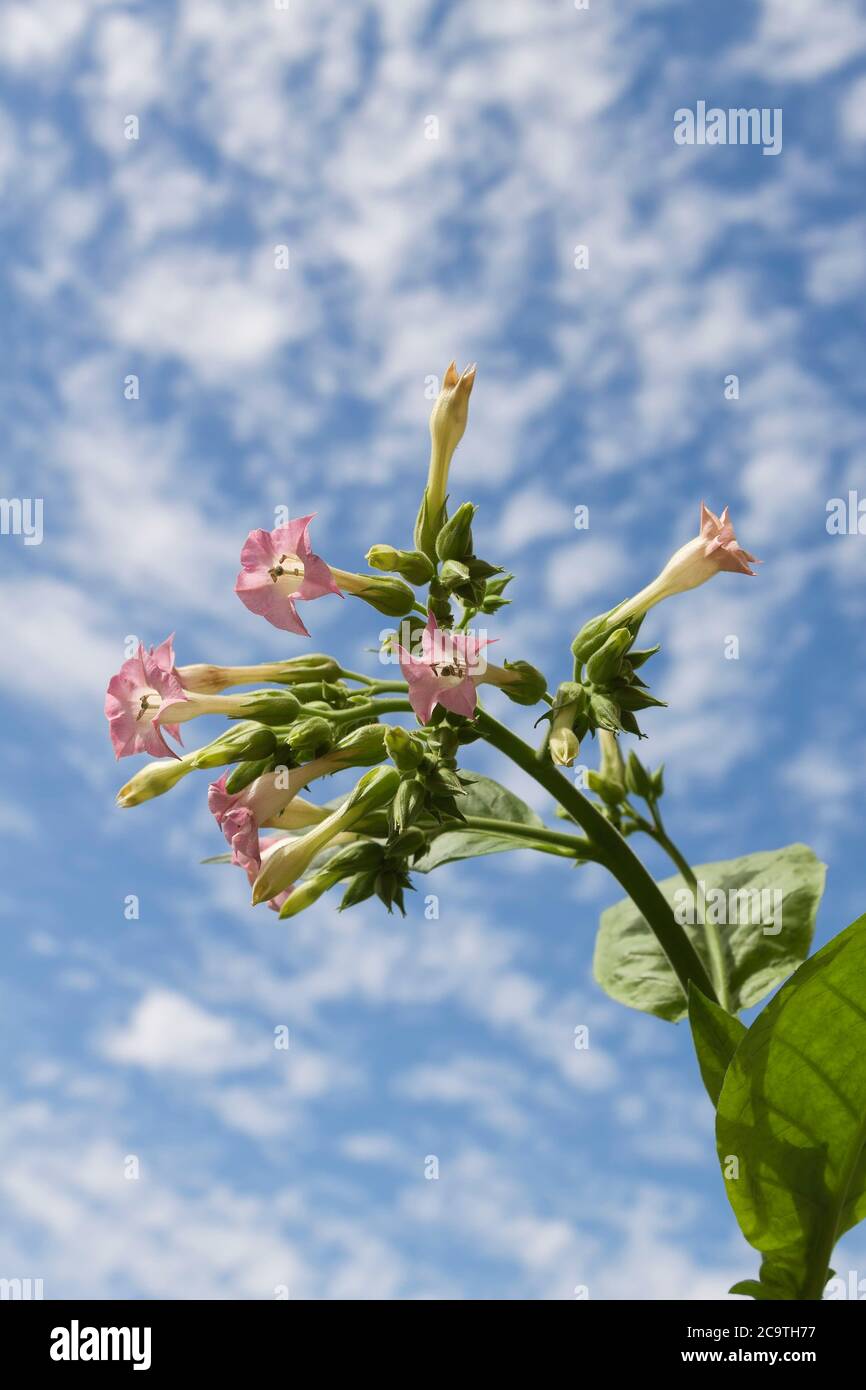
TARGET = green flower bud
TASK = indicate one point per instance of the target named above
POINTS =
(267, 706)
(611, 792)
(454, 541)
(591, 636)
(245, 773)
(153, 780)
(605, 713)
(412, 564)
(303, 895)
(363, 747)
(428, 525)
(239, 742)
(525, 685)
(364, 854)
(637, 779)
(404, 749)
(605, 663)
(309, 738)
(337, 696)
(389, 596)
(407, 844)
(453, 575)
(358, 889)
(408, 802)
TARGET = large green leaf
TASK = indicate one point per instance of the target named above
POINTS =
(716, 1035)
(631, 966)
(791, 1121)
(486, 798)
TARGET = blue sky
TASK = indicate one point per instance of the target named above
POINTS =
(304, 1170)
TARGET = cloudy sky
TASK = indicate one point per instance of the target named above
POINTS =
(432, 168)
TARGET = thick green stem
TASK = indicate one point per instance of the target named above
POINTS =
(530, 836)
(712, 935)
(613, 852)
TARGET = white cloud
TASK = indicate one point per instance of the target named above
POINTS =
(168, 1032)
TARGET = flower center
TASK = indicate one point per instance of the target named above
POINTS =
(287, 573)
(148, 703)
(450, 668)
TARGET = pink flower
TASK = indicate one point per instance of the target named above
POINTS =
(239, 817)
(446, 673)
(718, 534)
(134, 698)
(252, 852)
(714, 548)
(278, 569)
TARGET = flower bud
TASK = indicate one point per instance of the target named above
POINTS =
(359, 888)
(152, 780)
(412, 564)
(326, 692)
(611, 792)
(408, 843)
(403, 748)
(564, 746)
(267, 706)
(591, 636)
(246, 773)
(637, 779)
(240, 742)
(605, 712)
(389, 596)
(605, 663)
(363, 747)
(408, 802)
(454, 541)
(310, 738)
(447, 424)
(210, 680)
(522, 683)
(453, 576)
(285, 863)
(611, 767)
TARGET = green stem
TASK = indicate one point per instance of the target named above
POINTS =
(532, 836)
(357, 676)
(712, 935)
(373, 684)
(373, 709)
(613, 852)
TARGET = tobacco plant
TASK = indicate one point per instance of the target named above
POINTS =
(707, 943)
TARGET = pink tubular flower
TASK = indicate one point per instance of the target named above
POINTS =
(714, 548)
(446, 673)
(253, 864)
(134, 698)
(278, 569)
(239, 817)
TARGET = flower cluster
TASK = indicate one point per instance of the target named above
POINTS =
(308, 717)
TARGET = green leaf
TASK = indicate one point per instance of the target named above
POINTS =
(483, 797)
(631, 966)
(792, 1114)
(716, 1035)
